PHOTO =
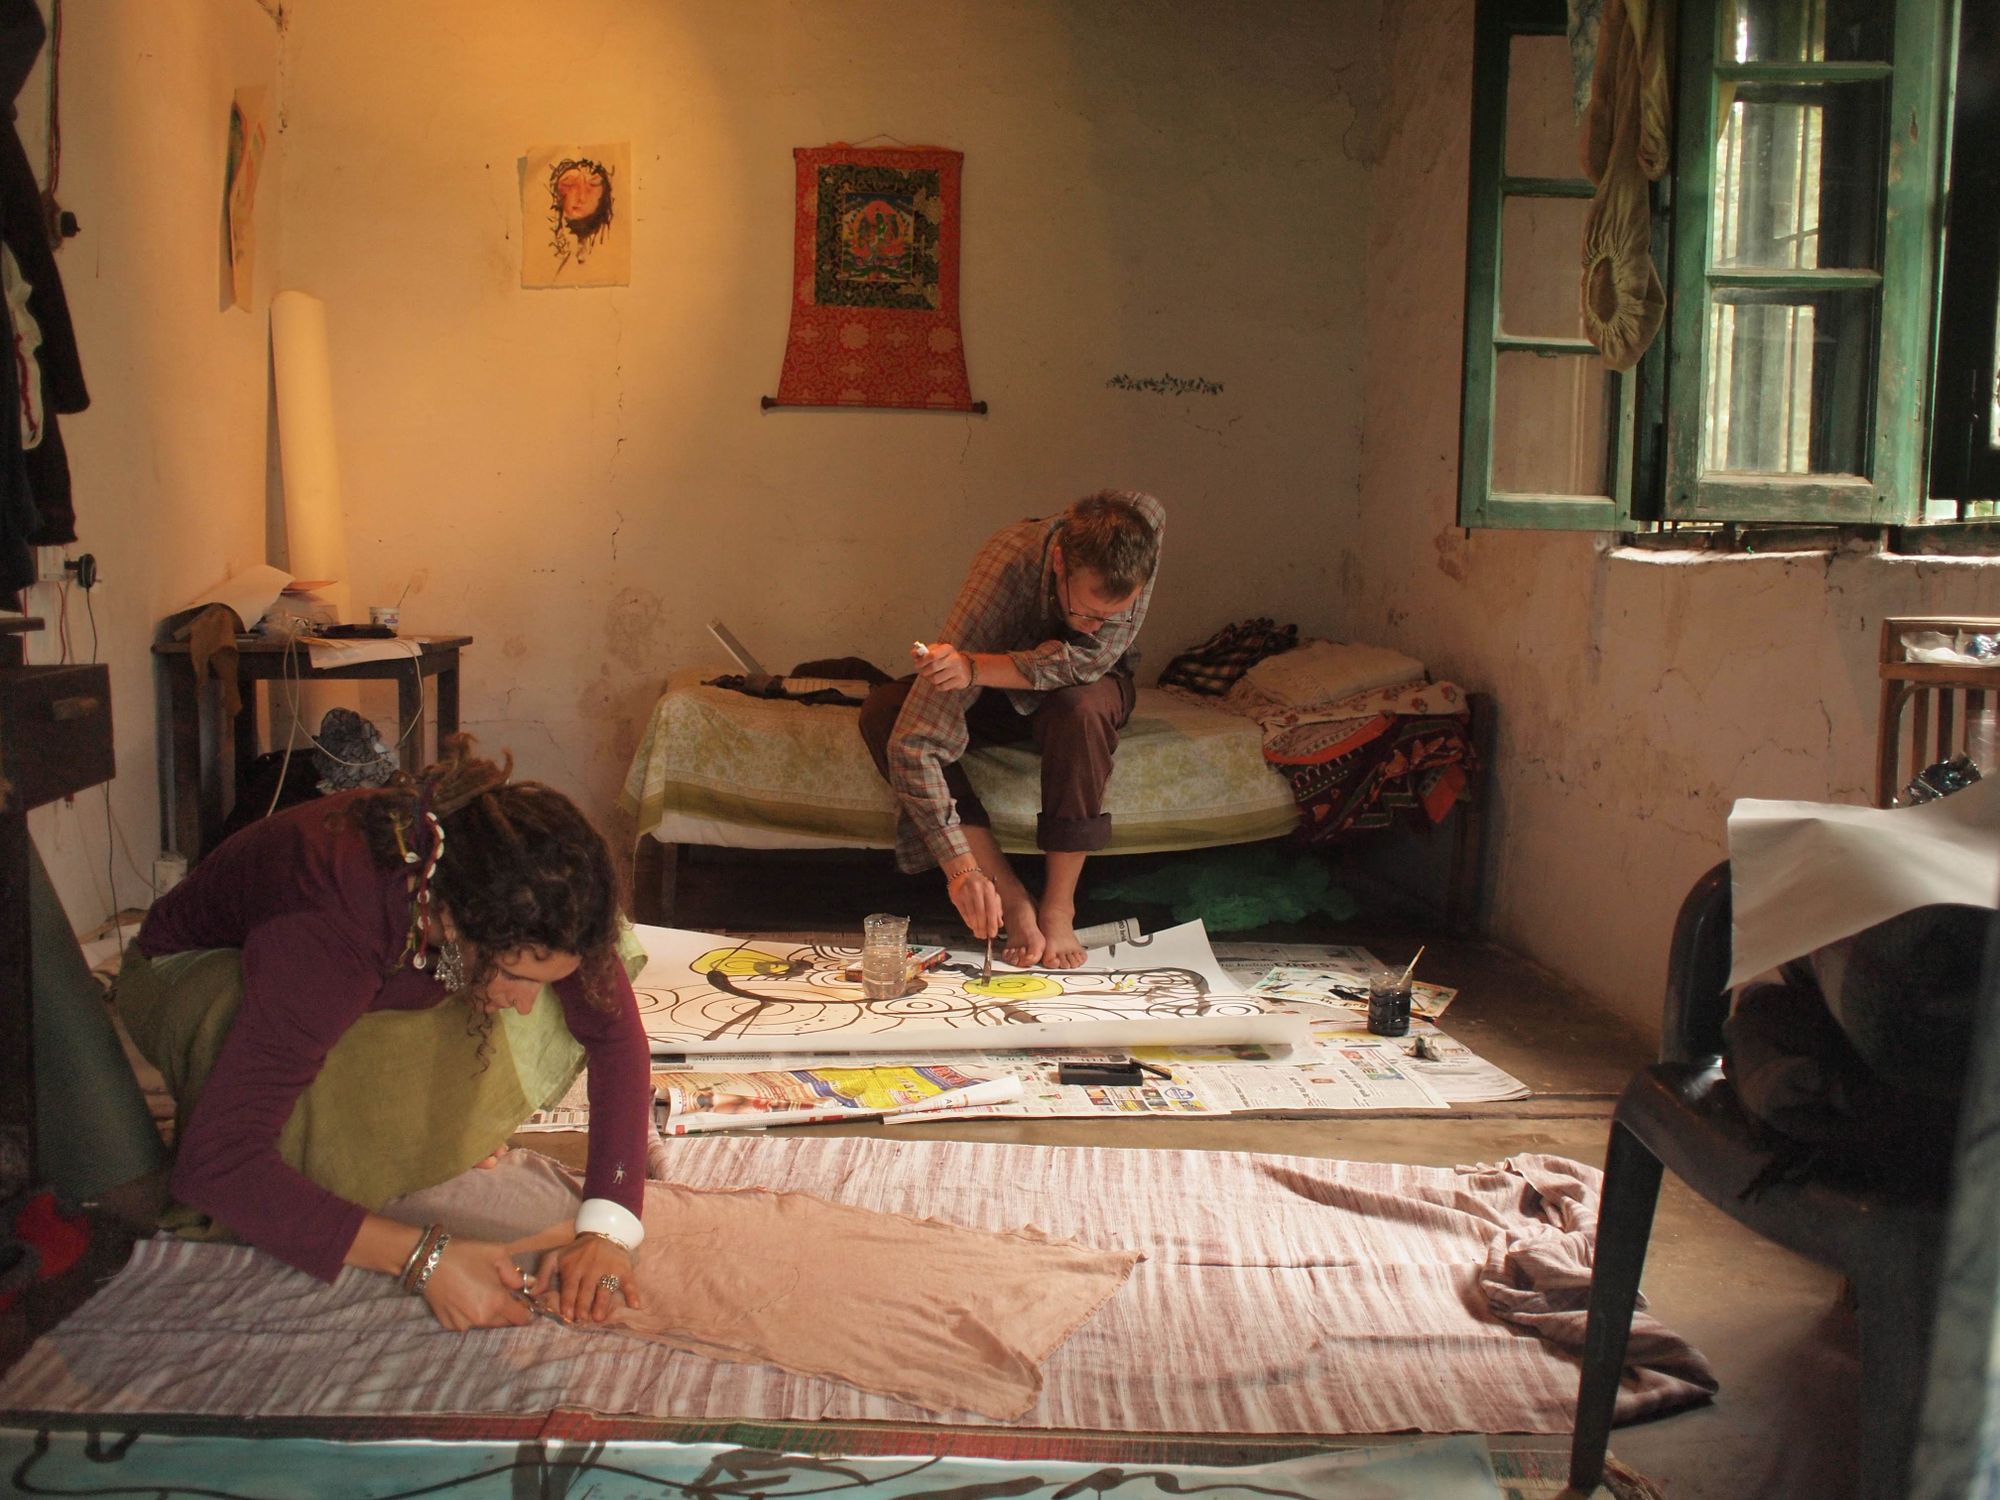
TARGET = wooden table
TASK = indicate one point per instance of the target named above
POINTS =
(193, 803)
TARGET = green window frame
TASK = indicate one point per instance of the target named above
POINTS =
(1879, 370)
(1488, 343)
(1792, 380)
(1965, 418)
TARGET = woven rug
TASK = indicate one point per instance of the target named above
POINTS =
(1280, 1295)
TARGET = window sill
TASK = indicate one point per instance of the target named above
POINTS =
(1975, 542)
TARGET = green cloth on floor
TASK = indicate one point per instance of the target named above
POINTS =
(92, 1128)
(1233, 889)
(404, 1099)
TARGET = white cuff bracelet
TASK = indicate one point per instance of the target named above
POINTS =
(612, 1220)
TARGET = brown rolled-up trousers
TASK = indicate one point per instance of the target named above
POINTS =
(1075, 730)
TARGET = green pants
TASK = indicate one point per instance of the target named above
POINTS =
(404, 1100)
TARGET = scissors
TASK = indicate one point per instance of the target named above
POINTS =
(542, 1311)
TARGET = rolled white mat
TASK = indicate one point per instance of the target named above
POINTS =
(309, 457)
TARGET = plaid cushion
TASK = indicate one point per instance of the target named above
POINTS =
(1214, 666)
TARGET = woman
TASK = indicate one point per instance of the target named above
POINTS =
(342, 998)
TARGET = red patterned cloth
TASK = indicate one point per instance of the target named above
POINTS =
(1354, 764)
(875, 280)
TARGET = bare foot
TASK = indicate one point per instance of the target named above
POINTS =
(1060, 948)
(1024, 934)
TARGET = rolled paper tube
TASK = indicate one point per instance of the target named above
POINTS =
(309, 457)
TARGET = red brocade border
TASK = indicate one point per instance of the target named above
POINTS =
(875, 280)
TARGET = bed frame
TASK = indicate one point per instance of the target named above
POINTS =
(660, 868)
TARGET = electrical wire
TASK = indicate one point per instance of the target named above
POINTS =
(292, 675)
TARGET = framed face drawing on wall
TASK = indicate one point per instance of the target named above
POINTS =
(576, 216)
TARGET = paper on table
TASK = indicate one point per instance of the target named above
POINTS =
(1804, 874)
(327, 654)
(249, 593)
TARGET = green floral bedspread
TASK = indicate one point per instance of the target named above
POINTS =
(1187, 777)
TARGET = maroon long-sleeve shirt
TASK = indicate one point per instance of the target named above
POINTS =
(320, 925)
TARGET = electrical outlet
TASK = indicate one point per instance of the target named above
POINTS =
(49, 565)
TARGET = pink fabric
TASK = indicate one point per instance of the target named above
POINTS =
(948, 1318)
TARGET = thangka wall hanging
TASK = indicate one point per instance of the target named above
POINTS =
(875, 281)
(576, 216)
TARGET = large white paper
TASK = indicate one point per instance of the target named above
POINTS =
(250, 593)
(1804, 874)
(308, 455)
(326, 654)
(702, 995)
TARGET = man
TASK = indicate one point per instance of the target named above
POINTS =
(1046, 618)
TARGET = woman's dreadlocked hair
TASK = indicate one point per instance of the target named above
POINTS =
(522, 867)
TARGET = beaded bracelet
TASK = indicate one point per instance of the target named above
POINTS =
(972, 666)
(951, 881)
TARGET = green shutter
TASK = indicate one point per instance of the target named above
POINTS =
(1530, 360)
(1881, 377)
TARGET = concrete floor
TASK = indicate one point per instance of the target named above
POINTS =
(1771, 1324)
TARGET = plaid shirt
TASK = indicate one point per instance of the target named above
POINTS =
(1007, 604)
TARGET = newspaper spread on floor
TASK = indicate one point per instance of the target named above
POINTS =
(1344, 1067)
(691, 1102)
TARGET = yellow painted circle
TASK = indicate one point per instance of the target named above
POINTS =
(740, 962)
(1014, 987)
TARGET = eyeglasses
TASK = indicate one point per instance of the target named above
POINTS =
(1085, 615)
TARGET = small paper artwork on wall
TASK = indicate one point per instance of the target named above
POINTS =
(576, 216)
(875, 280)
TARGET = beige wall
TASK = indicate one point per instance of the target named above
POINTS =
(168, 462)
(1639, 695)
(581, 478)
(1267, 195)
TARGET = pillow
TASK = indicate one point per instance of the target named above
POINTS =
(1327, 671)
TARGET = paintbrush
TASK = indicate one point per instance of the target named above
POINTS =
(1413, 965)
(986, 969)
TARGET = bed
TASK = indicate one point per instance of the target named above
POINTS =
(724, 769)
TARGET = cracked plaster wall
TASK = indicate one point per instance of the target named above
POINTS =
(581, 479)
(1638, 695)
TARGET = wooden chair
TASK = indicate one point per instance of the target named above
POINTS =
(1682, 1113)
(1929, 709)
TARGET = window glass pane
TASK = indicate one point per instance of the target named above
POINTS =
(1798, 177)
(1551, 425)
(1541, 109)
(1789, 383)
(1541, 250)
(1807, 31)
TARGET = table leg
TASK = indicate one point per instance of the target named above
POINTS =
(410, 719)
(243, 739)
(447, 698)
(180, 810)
(211, 802)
